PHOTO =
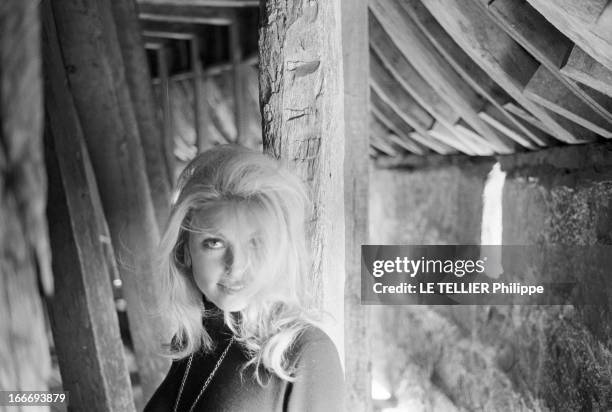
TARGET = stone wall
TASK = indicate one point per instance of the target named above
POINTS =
(497, 358)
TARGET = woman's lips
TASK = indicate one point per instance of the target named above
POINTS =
(231, 288)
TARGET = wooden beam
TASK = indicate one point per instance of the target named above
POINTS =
(442, 133)
(202, 118)
(582, 68)
(386, 86)
(550, 47)
(97, 80)
(410, 161)
(380, 130)
(205, 3)
(498, 54)
(436, 107)
(576, 19)
(526, 116)
(164, 26)
(548, 91)
(82, 311)
(167, 35)
(191, 14)
(302, 98)
(476, 77)
(25, 260)
(138, 79)
(379, 138)
(166, 106)
(498, 119)
(386, 55)
(394, 121)
(357, 317)
(408, 42)
(402, 134)
(240, 100)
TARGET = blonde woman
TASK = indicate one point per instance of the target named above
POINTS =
(236, 271)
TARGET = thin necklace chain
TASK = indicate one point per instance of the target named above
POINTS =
(206, 383)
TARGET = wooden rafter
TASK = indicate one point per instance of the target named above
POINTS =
(205, 3)
(175, 13)
(550, 47)
(498, 54)
(577, 19)
(389, 116)
(548, 91)
(436, 71)
(471, 72)
(581, 67)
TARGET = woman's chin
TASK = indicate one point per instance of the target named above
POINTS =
(229, 303)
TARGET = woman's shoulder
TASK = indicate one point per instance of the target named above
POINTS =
(319, 380)
(314, 347)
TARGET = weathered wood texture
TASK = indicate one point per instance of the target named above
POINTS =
(500, 56)
(185, 13)
(355, 53)
(550, 47)
(410, 42)
(584, 69)
(139, 81)
(24, 244)
(302, 105)
(206, 3)
(577, 20)
(383, 108)
(550, 92)
(95, 70)
(476, 77)
(161, 53)
(235, 47)
(82, 312)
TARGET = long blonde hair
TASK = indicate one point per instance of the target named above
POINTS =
(268, 326)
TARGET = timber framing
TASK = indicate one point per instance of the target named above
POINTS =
(83, 300)
(103, 103)
(174, 13)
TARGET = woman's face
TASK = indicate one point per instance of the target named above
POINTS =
(224, 256)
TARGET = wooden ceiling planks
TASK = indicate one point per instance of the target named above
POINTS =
(390, 118)
(550, 47)
(425, 59)
(476, 77)
(505, 60)
(577, 19)
(386, 87)
(582, 68)
(548, 91)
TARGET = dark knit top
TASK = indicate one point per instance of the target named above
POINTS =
(319, 385)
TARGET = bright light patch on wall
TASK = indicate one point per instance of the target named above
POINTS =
(379, 392)
(492, 228)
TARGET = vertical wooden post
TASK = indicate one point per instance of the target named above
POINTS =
(355, 56)
(302, 105)
(168, 130)
(141, 90)
(239, 96)
(199, 107)
(96, 78)
(82, 312)
(24, 350)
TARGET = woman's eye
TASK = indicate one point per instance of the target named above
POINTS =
(213, 243)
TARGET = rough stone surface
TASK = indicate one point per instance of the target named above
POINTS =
(556, 358)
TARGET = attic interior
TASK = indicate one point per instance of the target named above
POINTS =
(487, 123)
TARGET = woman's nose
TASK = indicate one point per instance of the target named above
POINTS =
(236, 262)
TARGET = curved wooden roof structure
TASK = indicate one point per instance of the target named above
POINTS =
(454, 77)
